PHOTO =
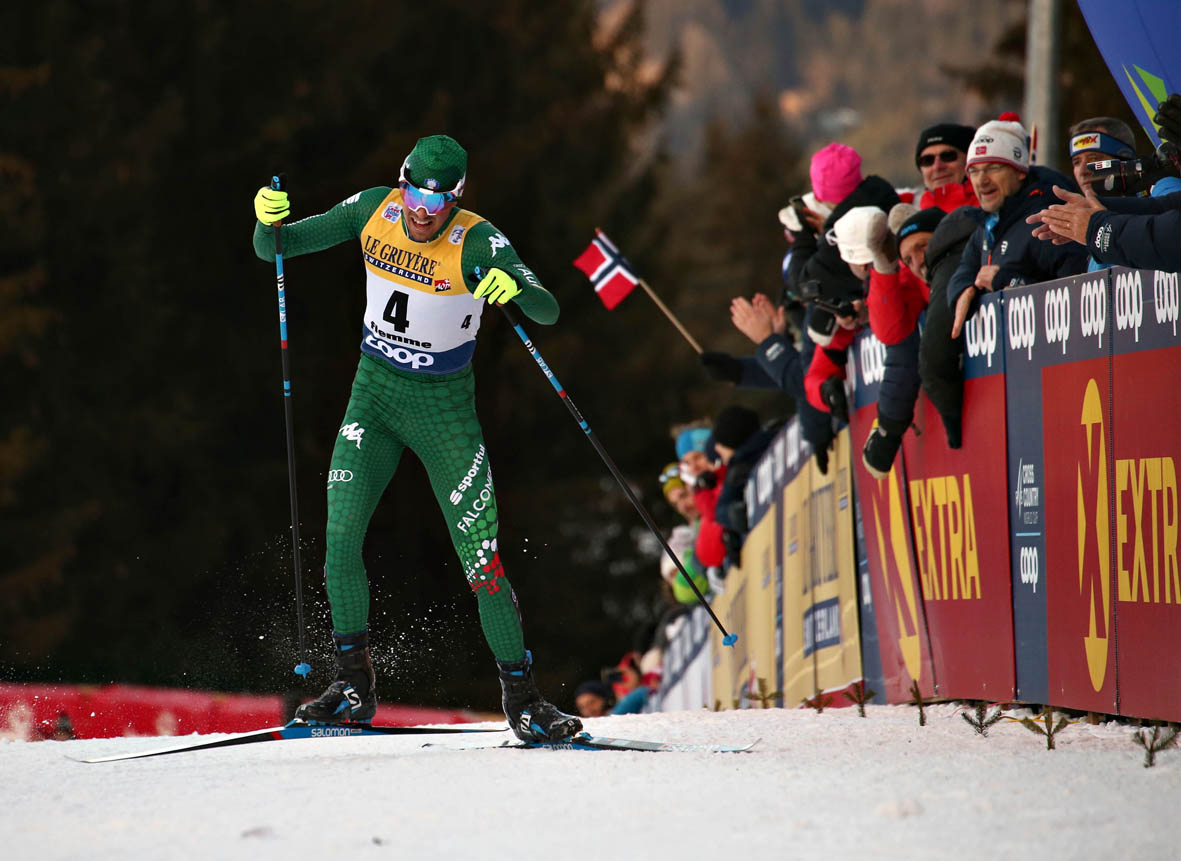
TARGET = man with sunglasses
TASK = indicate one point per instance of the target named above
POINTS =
(941, 156)
(429, 268)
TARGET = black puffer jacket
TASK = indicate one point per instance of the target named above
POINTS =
(939, 354)
(1144, 233)
(813, 258)
(1011, 246)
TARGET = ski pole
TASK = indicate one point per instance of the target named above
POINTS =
(303, 668)
(511, 315)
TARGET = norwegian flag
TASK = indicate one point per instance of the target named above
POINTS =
(609, 273)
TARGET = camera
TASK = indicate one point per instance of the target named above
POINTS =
(810, 294)
(1135, 176)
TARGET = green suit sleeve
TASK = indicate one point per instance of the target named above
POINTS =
(485, 247)
(315, 233)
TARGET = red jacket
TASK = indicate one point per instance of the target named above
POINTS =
(949, 197)
(895, 302)
(709, 547)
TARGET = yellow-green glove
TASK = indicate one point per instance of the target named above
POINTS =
(270, 205)
(497, 287)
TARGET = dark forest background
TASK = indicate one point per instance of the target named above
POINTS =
(144, 521)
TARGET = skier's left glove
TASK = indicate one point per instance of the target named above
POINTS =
(497, 287)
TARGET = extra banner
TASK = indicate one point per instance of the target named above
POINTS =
(961, 546)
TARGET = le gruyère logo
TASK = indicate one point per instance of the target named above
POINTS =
(903, 599)
(1094, 531)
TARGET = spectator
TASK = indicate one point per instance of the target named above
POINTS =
(593, 699)
(699, 471)
(1092, 139)
(682, 538)
(817, 272)
(740, 442)
(1002, 253)
(866, 235)
(941, 157)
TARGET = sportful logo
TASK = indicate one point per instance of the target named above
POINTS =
(872, 354)
(353, 432)
(497, 241)
(1129, 303)
(980, 334)
(466, 482)
(1165, 295)
(1093, 308)
(1022, 324)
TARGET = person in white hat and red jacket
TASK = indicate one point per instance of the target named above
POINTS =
(1003, 253)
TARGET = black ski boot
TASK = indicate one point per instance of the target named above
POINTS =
(353, 696)
(881, 448)
(530, 717)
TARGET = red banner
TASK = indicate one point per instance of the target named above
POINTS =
(958, 501)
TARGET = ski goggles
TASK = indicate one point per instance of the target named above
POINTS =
(418, 198)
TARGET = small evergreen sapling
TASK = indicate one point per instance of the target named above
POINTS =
(1155, 743)
(860, 695)
(765, 697)
(1051, 729)
(819, 702)
(982, 721)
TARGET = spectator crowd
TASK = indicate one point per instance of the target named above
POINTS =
(910, 265)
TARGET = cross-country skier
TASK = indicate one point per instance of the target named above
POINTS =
(429, 268)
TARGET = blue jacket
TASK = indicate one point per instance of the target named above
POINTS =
(1009, 243)
(1142, 232)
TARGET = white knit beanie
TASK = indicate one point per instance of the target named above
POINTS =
(1002, 140)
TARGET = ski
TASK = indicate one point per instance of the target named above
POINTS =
(294, 730)
(585, 741)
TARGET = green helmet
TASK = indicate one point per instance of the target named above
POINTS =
(437, 163)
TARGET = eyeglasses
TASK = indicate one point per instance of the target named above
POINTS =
(991, 167)
(417, 198)
(946, 156)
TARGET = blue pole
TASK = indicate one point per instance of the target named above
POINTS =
(303, 668)
(511, 315)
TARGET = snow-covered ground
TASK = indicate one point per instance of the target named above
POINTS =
(830, 784)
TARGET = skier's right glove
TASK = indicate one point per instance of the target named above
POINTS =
(271, 205)
(1168, 117)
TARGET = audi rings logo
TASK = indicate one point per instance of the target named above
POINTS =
(1057, 310)
(1129, 302)
(872, 354)
(340, 476)
(980, 333)
(1092, 309)
(1165, 296)
(1029, 567)
(1022, 324)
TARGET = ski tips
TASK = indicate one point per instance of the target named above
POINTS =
(303, 668)
(730, 640)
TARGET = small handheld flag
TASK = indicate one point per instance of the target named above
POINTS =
(609, 273)
(613, 278)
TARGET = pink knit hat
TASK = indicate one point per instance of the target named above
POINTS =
(835, 172)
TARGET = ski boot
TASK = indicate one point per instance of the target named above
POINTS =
(353, 695)
(882, 447)
(530, 717)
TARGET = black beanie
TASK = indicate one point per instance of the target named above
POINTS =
(923, 221)
(952, 134)
(735, 425)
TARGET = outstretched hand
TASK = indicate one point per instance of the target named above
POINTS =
(1067, 221)
(758, 320)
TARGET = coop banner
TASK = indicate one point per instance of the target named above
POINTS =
(757, 635)
(903, 643)
(1146, 451)
(1058, 392)
(958, 501)
(796, 527)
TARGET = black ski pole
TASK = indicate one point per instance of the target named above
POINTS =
(511, 315)
(303, 668)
